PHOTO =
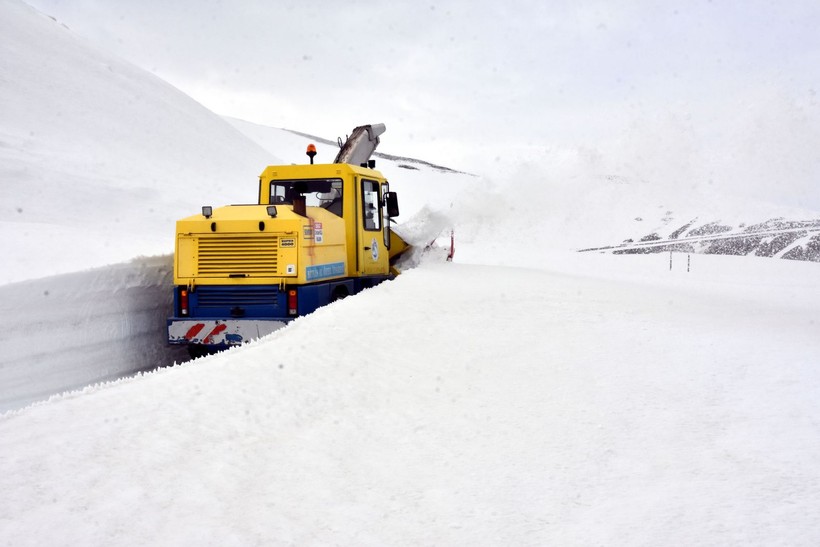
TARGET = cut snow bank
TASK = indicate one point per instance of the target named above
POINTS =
(66, 332)
(98, 158)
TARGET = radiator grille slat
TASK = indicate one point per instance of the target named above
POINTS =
(213, 296)
(238, 255)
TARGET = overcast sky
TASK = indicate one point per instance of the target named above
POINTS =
(704, 88)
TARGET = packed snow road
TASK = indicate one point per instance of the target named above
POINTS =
(459, 404)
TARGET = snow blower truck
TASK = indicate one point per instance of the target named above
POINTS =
(319, 233)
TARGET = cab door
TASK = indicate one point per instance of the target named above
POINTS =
(373, 255)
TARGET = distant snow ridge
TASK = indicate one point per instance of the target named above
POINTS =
(773, 238)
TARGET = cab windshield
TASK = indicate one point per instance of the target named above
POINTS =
(325, 193)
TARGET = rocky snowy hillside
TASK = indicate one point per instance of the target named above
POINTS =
(773, 238)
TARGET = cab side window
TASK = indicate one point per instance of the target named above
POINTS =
(371, 205)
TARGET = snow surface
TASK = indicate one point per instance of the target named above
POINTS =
(524, 395)
(479, 406)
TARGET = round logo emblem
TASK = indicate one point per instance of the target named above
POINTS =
(374, 249)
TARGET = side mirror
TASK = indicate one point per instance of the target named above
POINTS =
(391, 201)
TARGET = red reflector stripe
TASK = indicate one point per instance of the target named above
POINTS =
(217, 330)
(193, 331)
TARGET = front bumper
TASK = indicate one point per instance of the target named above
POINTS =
(220, 333)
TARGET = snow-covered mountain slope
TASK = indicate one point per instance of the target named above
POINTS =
(98, 158)
(479, 406)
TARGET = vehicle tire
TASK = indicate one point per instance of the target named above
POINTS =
(198, 350)
(339, 293)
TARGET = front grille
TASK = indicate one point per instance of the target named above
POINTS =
(217, 296)
(238, 256)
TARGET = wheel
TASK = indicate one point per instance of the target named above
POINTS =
(339, 293)
(198, 350)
